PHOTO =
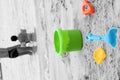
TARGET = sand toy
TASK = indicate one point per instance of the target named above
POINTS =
(99, 55)
(67, 40)
(87, 8)
(110, 37)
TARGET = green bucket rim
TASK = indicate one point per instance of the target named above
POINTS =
(59, 34)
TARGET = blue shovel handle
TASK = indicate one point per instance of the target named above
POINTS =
(90, 37)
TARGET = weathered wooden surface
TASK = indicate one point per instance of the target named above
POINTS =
(46, 16)
(16, 15)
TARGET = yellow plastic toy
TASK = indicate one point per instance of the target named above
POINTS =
(99, 55)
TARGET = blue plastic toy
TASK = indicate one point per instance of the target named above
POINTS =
(110, 37)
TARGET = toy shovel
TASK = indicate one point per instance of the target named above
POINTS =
(87, 8)
(110, 37)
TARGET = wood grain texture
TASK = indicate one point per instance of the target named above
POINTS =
(16, 15)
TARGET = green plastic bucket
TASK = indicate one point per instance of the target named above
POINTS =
(67, 40)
